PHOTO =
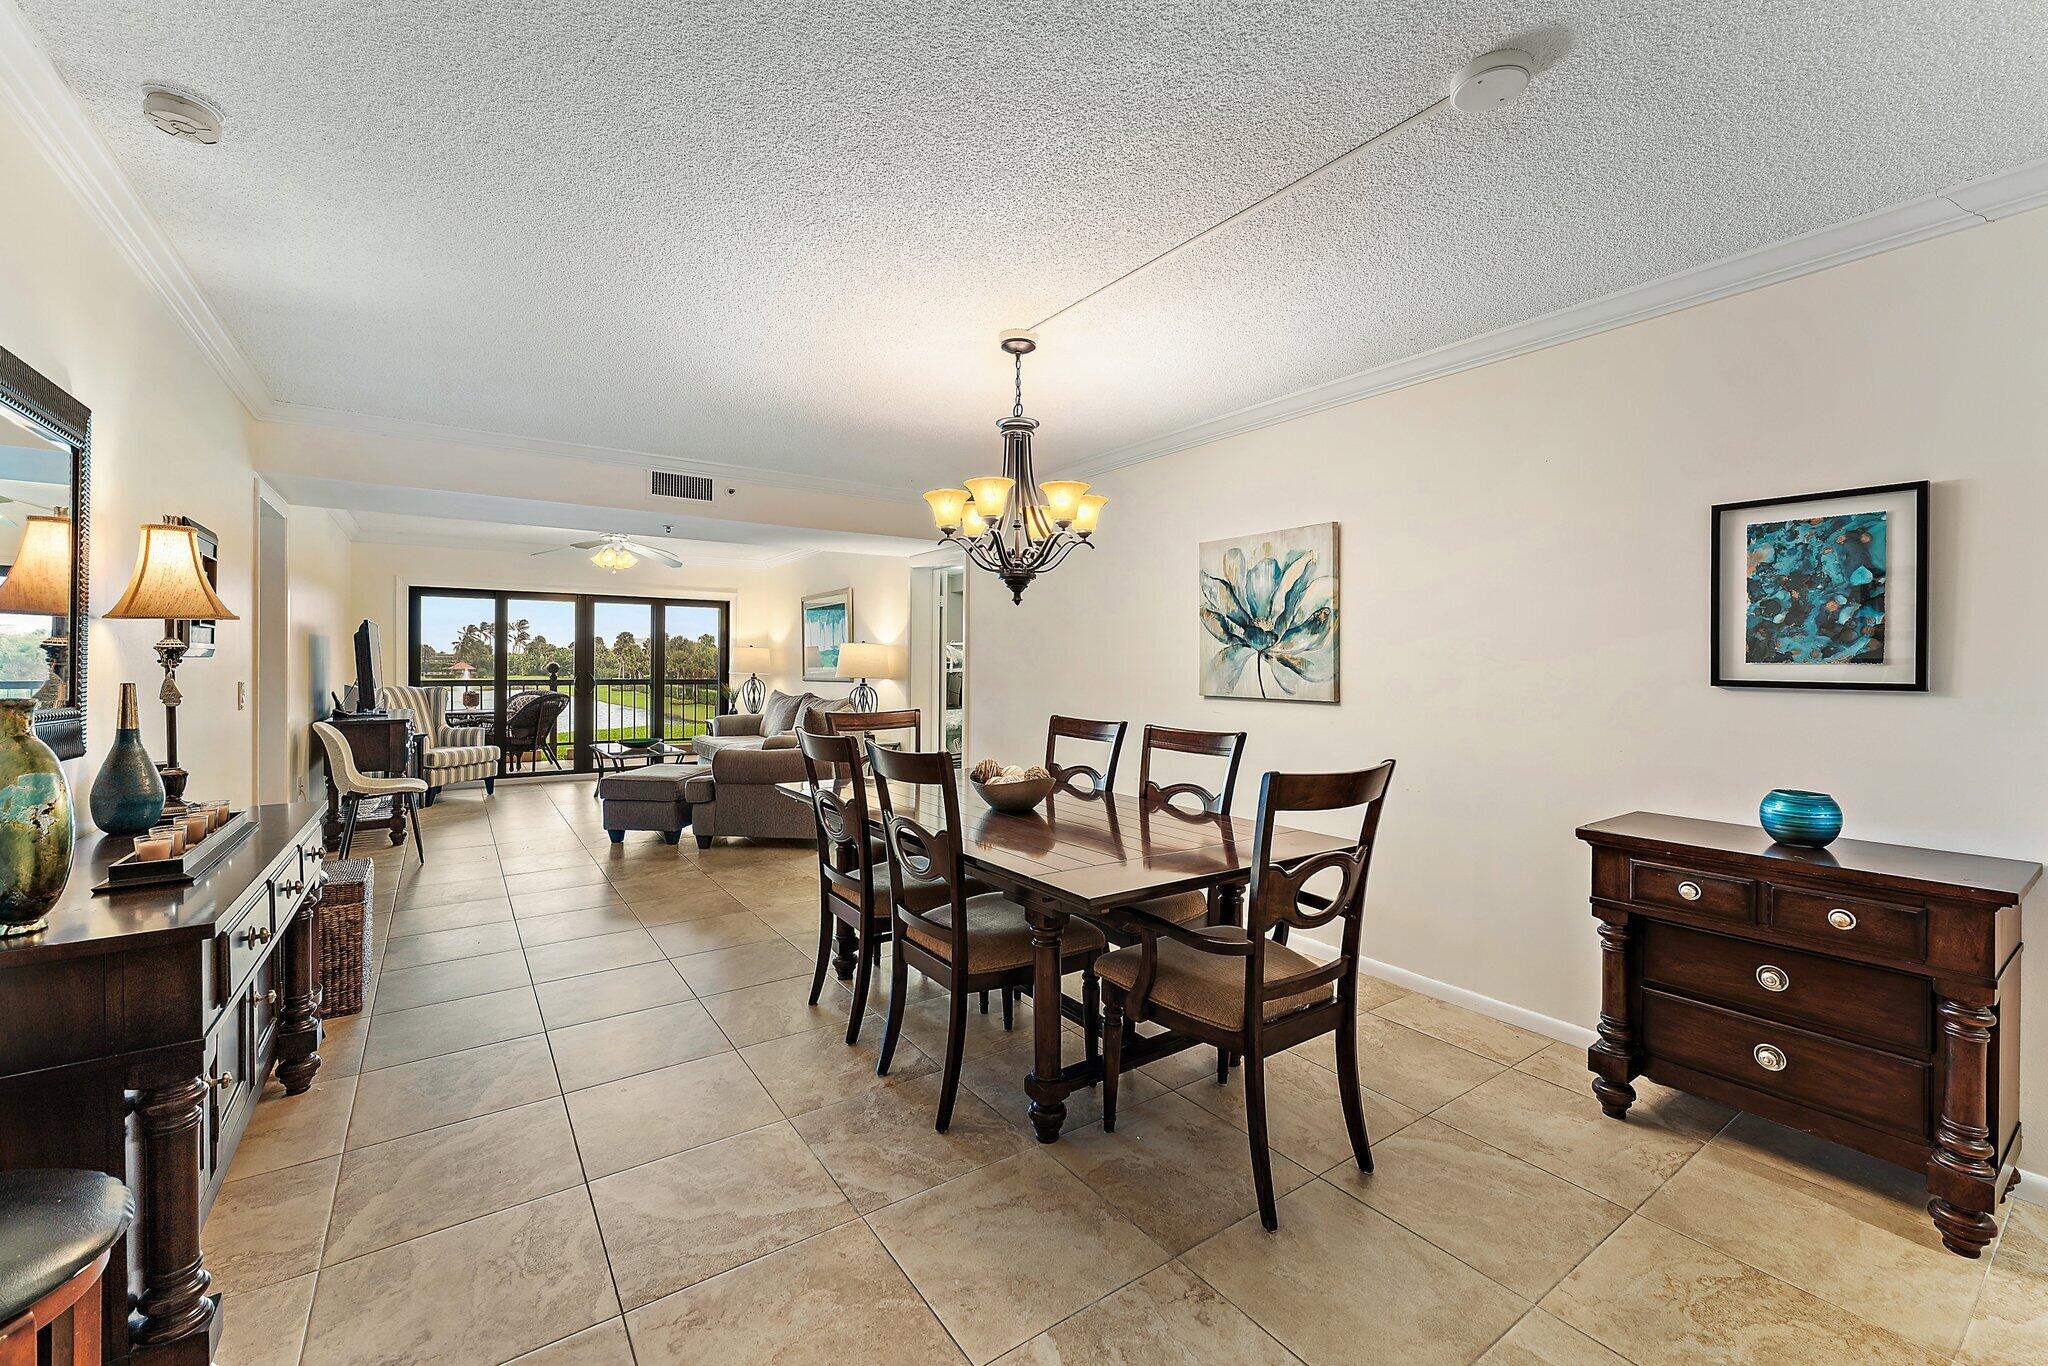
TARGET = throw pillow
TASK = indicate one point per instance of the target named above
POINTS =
(779, 715)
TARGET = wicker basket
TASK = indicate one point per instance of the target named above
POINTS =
(344, 921)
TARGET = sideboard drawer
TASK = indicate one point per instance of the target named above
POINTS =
(1851, 923)
(1874, 1088)
(1830, 994)
(243, 943)
(1697, 893)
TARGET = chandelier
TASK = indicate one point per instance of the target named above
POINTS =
(1010, 524)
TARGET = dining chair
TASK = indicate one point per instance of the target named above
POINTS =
(1187, 908)
(877, 722)
(1065, 776)
(848, 859)
(356, 787)
(1238, 989)
(965, 942)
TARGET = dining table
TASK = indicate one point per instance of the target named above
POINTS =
(1100, 856)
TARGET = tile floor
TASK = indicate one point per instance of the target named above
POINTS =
(590, 1118)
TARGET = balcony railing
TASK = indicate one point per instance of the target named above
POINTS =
(622, 707)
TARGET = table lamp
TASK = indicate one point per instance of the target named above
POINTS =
(170, 585)
(753, 659)
(39, 585)
(860, 660)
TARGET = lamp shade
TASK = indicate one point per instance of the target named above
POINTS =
(169, 582)
(39, 584)
(752, 659)
(865, 659)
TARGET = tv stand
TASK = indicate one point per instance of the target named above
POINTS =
(382, 743)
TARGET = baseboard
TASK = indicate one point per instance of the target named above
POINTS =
(2033, 1188)
(1545, 1025)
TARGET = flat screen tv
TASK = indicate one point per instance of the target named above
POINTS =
(369, 667)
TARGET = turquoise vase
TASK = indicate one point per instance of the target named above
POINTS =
(128, 794)
(1805, 820)
(35, 823)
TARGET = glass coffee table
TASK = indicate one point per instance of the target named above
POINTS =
(613, 756)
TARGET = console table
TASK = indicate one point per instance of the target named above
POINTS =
(135, 1033)
(1867, 993)
(386, 745)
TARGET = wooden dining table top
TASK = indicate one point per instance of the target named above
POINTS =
(1094, 852)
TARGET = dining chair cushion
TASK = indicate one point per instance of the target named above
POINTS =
(1210, 986)
(998, 937)
(1181, 908)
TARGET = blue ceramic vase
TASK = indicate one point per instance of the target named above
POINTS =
(128, 795)
(1806, 820)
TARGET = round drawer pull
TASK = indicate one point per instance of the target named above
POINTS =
(270, 997)
(1690, 891)
(1768, 1058)
(223, 1081)
(1841, 919)
(1772, 978)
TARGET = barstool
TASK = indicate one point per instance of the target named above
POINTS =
(56, 1231)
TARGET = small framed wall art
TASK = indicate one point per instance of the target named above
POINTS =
(1268, 611)
(827, 625)
(1827, 590)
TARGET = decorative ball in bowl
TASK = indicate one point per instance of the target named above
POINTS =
(1011, 789)
(1805, 820)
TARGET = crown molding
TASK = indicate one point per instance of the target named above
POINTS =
(408, 429)
(1966, 206)
(58, 125)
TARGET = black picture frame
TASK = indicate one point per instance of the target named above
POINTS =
(54, 413)
(1920, 492)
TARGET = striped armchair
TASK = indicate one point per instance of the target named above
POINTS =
(452, 754)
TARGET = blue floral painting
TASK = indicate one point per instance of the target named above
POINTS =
(1816, 591)
(1269, 615)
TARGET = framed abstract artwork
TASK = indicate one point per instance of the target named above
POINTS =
(1828, 590)
(1269, 615)
(827, 625)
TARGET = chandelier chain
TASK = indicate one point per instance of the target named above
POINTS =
(1017, 409)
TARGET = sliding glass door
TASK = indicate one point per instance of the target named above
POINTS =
(552, 675)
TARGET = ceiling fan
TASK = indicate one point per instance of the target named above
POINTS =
(615, 552)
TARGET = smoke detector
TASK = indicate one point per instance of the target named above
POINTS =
(1491, 81)
(182, 115)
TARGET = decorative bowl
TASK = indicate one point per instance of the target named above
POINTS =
(1013, 797)
(639, 742)
(1805, 820)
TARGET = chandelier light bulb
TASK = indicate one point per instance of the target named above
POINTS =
(947, 505)
(1087, 512)
(1062, 497)
(991, 494)
(972, 525)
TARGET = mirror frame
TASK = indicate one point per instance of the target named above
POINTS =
(58, 416)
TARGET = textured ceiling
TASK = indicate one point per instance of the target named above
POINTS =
(785, 235)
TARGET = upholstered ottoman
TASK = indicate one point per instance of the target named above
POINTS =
(651, 798)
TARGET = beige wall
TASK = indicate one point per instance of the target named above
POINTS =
(168, 437)
(881, 613)
(321, 561)
(1524, 600)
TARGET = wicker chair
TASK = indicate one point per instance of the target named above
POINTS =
(530, 719)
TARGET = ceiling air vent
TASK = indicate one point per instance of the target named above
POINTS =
(694, 487)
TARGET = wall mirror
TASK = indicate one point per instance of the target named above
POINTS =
(45, 498)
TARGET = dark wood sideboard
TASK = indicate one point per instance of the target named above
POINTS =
(135, 1034)
(1867, 993)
